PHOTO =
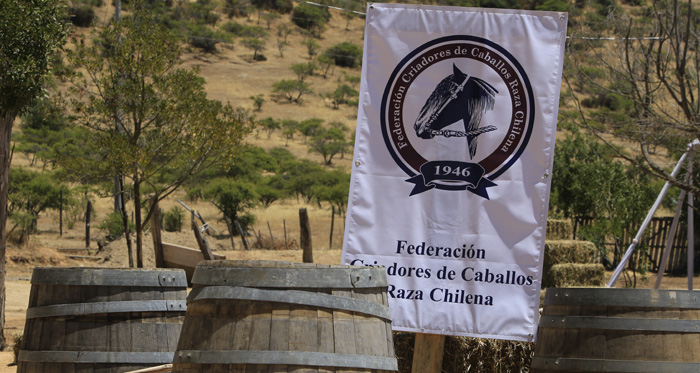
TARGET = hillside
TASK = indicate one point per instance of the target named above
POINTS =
(232, 77)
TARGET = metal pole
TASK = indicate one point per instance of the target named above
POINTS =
(647, 220)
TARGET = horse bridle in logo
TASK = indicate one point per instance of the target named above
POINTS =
(458, 97)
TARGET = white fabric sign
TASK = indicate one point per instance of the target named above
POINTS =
(453, 153)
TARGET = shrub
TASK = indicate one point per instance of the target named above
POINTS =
(240, 30)
(203, 14)
(82, 16)
(237, 8)
(292, 90)
(233, 27)
(282, 6)
(345, 54)
(205, 38)
(113, 226)
(311, 17)
(172, 219)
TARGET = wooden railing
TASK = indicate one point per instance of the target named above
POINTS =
(654, 242)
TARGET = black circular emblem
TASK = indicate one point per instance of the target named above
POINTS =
(456, 113)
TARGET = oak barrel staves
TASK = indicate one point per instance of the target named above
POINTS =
(277, 316)
(618, 330)
(102, 320)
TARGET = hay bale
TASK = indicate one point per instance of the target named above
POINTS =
(560, 252)
(574, 274)
(466, 354)
(559, 229)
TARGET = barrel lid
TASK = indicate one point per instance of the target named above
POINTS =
(622, 297)
(274, 274)
(90, 276)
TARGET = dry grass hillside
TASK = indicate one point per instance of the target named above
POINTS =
(232, 76)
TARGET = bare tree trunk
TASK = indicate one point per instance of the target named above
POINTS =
(6, 122)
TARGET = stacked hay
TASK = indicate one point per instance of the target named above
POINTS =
(568, 262)
(464, 354)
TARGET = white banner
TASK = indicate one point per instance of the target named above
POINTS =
(453, 154)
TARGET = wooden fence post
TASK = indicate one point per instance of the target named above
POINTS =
(284, 225)
(155, 233)
(305, 236)
(243, 239)
(60, 215)
(330, 239)
(87, 224)
(427, 353)
(201, 241)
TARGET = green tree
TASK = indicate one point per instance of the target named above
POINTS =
(206, 39)
(255, 44)
(283, 31)
(290, 89)
(32, 193)
(258, 101)
(590, 181)
(269, 125)
(282, 6)
(281, 156)
(270, 190)
(301, 176)
(233, 198)
(303, 70)
(30, 31)
(341, 95)
(146, 115)
(333, 188)
(309, 127)
(250, 163)
(311, 17)
(269, 18)
(289, 128)
(236, 8)
(312, 47)
(44, 125)
(328, 142)
(345, 54)
(325, 63)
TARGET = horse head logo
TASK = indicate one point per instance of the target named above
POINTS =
(458, 96)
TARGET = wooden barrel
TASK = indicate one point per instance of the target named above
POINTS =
(618, 330)
(276, 316)
(102, 320)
